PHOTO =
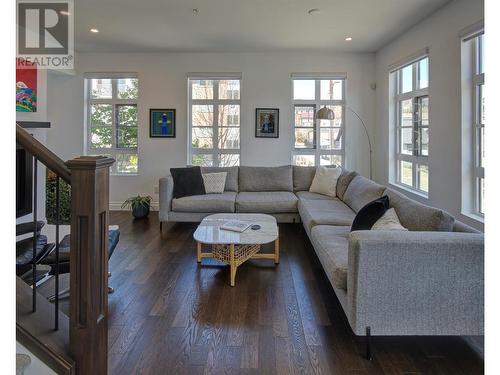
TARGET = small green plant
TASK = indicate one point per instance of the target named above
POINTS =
(136, 202)
(50, 200)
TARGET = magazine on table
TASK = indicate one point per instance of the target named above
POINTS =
(236, 225)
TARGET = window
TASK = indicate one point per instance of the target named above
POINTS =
(412, 125)
(214, 121)
(318, 142)
(112, 121)
(473, 123)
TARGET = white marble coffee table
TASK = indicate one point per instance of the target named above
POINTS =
(235, 248)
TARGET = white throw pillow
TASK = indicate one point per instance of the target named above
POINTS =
(214, 182)
(389, 221)
(325, 181)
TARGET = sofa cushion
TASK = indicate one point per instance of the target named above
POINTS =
(205, 203)
(326, 212)
(266, 178)
(332, 247)
(214, 182)
(370, 213)
(266, 202)
(325, 181)
(362, 191)
(313, 196)
(303, 177)
(389, 221)
(343, 182)
(417, 216)
(187, 182)
(231, 177)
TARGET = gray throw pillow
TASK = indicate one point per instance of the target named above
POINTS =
(343, 182)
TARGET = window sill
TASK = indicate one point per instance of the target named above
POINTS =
(409, 190)
(123, 174)
(474, 216)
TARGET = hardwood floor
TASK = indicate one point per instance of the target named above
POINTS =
(169, 315)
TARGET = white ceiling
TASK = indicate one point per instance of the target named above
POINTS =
(244, 25)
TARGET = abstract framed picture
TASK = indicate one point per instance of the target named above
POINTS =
(267, 122)
(26, 86)
(162, 123)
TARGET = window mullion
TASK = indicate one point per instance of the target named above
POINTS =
(215, 133)
(114, 113)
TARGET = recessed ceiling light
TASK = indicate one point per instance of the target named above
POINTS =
(93, 30)
(64, 12)
(313, 11)
(348, 39)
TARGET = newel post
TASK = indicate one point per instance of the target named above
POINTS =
(89, 263)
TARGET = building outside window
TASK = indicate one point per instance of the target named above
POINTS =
(214, 121)
(411, 159)
(473, 123)
(318, 142)
(112, 120)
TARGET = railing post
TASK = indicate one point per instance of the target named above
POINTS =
(89, 263)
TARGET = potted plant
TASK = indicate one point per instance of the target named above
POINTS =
(139, 206)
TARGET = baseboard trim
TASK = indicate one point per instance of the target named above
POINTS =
(117, 206)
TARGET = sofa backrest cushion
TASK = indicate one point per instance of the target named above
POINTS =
(458, 226)
(343, 182)
(266, 178)
(231, 177)
(361, 191)
(417, 216)
(303, 177)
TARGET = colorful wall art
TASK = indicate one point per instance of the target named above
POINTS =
(162, 123)
(26, 86)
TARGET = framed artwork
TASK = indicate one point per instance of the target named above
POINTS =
(267, 122)
(26, 86)
(162, 123)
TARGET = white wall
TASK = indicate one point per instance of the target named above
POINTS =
(163, 84)
(440, 32)
(40, 135)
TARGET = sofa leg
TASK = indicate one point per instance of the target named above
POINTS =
(368, 344)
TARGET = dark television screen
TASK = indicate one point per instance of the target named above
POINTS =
(24, 182)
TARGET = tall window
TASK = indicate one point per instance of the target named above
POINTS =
(318, 142)
(214, 121)
(412, 126)
(473, 122)
(112, 121)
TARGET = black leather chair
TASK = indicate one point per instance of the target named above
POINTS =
(24, 252)
(64, 251)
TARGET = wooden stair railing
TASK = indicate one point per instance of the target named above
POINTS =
(43, 154)
(88, 312)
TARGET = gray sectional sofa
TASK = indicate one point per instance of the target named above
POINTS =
(426, 281)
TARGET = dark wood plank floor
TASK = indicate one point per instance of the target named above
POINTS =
(170, 316)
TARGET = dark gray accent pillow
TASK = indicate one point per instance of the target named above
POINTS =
(370, 213)
(187, 182)
(266, 178)
(231, 177)
(303, 177)
(343, 182)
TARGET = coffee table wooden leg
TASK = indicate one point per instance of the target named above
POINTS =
(198, 251)
(232, 263)
(277, 251)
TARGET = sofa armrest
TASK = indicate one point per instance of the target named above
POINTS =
(166, 188)
(416, 283)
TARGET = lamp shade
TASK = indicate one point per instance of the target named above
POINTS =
(325, 114)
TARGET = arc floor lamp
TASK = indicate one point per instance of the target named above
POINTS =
(328, 114)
